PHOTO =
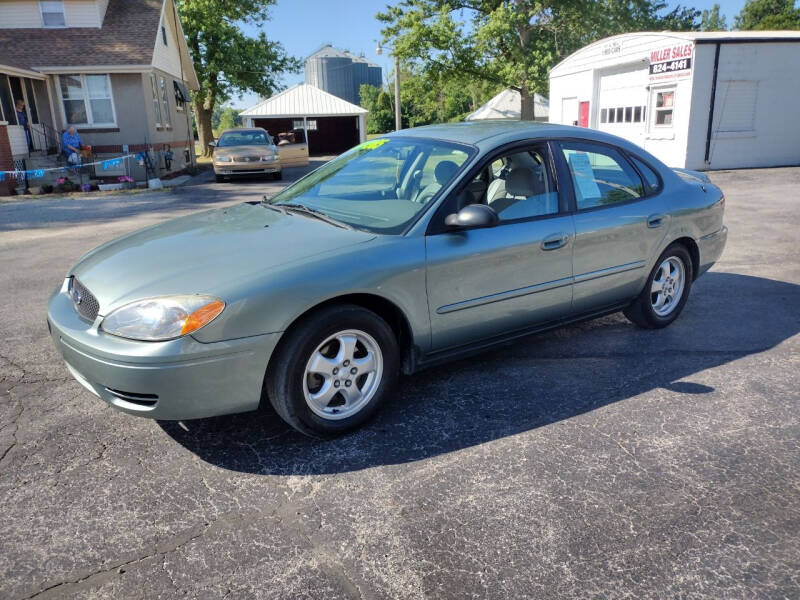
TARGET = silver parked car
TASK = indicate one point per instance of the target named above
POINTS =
(407, 250)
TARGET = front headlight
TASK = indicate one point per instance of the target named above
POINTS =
(159, 319)
(223, 159)
(268, 158)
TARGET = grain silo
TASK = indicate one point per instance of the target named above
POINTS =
(341, 73)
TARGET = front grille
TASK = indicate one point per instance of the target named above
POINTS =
(83, 300)
(246, 158)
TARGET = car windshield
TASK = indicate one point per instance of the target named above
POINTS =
(380, 185)
(243, 138)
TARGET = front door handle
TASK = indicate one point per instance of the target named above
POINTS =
(555, 241)
(654, 221)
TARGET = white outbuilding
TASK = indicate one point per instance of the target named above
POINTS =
(333, 125)
(696, 100)
(508, 105)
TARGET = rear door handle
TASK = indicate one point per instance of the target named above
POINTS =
(555, 241)
(654, 221)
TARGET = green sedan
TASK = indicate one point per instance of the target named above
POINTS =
(408, 250)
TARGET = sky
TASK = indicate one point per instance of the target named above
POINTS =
(302, 26)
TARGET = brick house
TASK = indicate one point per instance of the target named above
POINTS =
(119, 70)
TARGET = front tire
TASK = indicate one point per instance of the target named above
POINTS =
(333, 371)
(666, 290)
(218, 178)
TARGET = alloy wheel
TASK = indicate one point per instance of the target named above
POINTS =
(667, 287)
(343, 374)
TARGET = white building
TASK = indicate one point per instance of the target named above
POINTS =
(333, 125)
(508, 105)
(697, 100)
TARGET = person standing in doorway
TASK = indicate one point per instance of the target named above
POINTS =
(22, 120)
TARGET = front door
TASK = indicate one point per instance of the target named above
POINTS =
(617, 226)
(487, 282)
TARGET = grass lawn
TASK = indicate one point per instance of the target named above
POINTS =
(198, 152)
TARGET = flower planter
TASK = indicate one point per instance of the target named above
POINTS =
(109, 187)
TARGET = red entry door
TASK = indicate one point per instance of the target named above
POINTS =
(583, 114)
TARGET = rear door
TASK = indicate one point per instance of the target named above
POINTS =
(618, 225)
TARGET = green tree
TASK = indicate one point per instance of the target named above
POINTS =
(380, 118)
(768, 14)
(712, 20)
(226, 60)
(514, 43)
(228, 119)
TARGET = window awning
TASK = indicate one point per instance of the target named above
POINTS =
(181, 93)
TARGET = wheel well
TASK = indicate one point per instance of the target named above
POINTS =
(694, 252)
(386, 310)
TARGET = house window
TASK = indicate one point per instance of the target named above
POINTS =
(87, 100)
(297, 124)
(312, 124)
(164, 35)
(53, 13)
(165, 101)
(665, 102)
(156, 101)
(181, 95)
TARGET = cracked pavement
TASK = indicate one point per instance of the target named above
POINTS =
(595, 461)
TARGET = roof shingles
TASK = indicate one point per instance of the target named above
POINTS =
(127, 37)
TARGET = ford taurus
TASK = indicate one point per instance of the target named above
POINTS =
(407, 250)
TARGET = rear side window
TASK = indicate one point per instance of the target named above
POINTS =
(601, 176)
(649, 174)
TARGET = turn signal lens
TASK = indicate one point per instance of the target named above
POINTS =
(202, 316)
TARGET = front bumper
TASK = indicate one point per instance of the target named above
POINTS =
(244, 168)
(711, 247)
(173, 380)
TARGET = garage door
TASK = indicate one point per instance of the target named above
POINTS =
(622, 103)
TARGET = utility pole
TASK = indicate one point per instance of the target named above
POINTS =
(398, 122)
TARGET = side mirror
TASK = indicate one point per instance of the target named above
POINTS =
(473, 215)
(212, 144)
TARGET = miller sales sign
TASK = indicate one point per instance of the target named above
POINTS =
(671, 62)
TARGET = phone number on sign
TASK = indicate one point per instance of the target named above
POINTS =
(671, 66)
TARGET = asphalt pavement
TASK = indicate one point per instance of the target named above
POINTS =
(595, 461)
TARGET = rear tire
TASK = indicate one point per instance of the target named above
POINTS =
(333, 370)
(665, 293)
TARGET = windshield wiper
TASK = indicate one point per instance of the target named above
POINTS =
(275, 207)
(313, 212)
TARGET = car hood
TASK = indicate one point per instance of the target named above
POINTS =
(244, 151)
(213, 252)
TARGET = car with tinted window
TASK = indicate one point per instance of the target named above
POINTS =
(408, 250)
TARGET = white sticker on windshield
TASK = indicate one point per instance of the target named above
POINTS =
(584, 175)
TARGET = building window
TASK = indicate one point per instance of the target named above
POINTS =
(53, 13)
(312, 124)
(611, 113)
(156, 101)
(604, 115)
(165, 101)
(637, 114)
(665, 102)
(87, 99)
(628, 114)
(297, 124)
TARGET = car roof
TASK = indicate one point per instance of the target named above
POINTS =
(488, 134)
(243, 130)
